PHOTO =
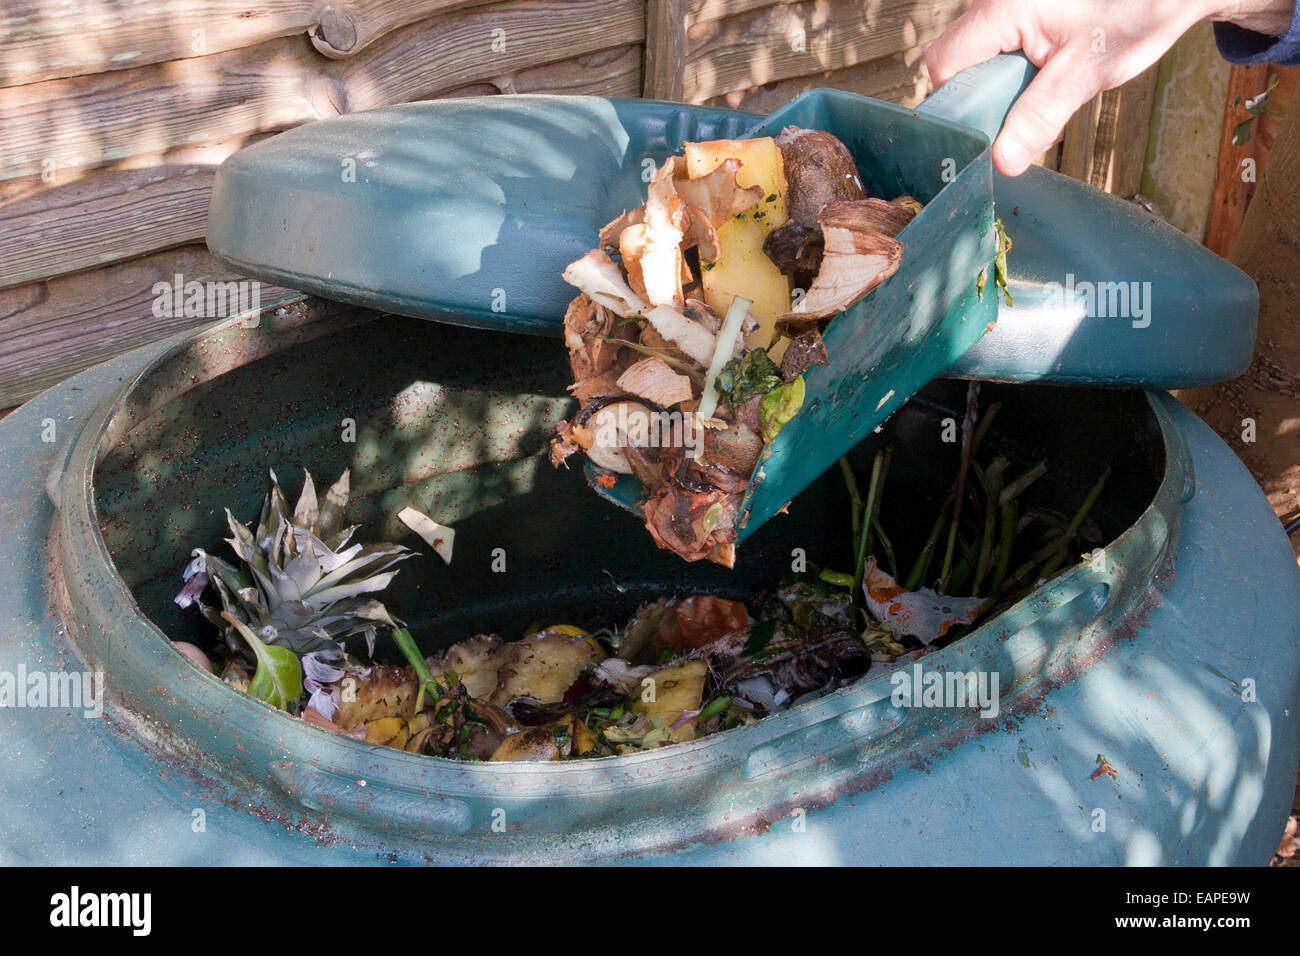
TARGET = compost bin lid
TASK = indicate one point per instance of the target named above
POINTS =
(462, 212)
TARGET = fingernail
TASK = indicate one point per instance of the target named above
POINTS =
(1013, 156)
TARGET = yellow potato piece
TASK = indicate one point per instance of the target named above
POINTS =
(387, 732)
(566, 736)
(542, 665)
(676, 689)
(475, 661)
(584, 741)
(568, 629)
(743, 268)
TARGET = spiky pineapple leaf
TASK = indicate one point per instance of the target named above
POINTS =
(306, 513)
(371, 610)
(369, 559)
(367, 585)
(275, 510)
(301, 575)
(216, 567)
(299, 584)
(331, 512)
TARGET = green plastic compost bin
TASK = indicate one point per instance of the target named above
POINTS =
(1141, 657)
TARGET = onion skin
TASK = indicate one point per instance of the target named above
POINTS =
(596, 404)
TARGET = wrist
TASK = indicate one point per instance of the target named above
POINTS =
(1269, 17)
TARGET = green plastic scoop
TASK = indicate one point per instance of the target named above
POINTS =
(919, 321)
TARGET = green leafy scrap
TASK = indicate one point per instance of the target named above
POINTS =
(1255, 106)
(278, 678)
(779, 406)
(754, 373)
(1000, 260)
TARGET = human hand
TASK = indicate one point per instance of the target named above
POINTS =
(1081, 48)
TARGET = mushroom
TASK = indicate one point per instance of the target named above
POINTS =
(819, 170)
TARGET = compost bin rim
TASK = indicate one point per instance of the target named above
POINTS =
(853, 724)
(108, 419)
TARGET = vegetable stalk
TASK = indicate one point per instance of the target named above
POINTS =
(726, 343)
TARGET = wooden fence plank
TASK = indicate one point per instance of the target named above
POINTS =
(450, 51)
(114, 215)
(702, 11)
(47, 41)
(1080, 140)
(665, 50)
(797, 39)
(1105, 143)
(51, 330)
(93, 120)
(615, 72)
(203, 154)
(900, 78)
(104, 218)
(1120, 170)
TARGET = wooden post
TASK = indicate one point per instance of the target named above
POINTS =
(1081, 139)
(1106, 142)
(1117, 168)
(665, 50)
(1257, 413)
(1235, 180)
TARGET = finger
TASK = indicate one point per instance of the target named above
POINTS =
(980, 33)
(1037, 118)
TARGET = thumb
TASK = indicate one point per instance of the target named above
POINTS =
(1040, 114)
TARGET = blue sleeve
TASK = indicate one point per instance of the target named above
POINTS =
(1243, 46)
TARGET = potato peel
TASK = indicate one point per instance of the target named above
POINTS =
(437, 536)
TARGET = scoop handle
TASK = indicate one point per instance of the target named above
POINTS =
(981, 95)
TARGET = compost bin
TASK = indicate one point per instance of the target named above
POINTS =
(1140, 656)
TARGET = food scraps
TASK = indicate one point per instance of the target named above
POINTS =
(687, 345)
